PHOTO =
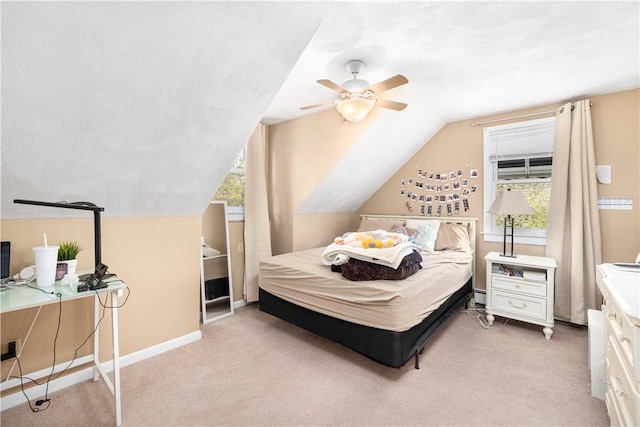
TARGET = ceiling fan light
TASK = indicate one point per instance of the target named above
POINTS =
(355, 109)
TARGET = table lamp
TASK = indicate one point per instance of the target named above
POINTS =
(509, 203)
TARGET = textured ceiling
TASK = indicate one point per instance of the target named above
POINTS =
(463, 60)
(142, 106)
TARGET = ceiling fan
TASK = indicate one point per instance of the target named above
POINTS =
(357, 97)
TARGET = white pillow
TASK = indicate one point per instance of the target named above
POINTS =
(427, 232)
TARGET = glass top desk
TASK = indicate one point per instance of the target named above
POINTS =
(20, 297)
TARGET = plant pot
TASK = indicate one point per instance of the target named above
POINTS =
(71, 267)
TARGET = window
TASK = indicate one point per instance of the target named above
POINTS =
(232, 189)
(519, 156)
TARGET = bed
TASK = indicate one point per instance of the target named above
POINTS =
(388, 321)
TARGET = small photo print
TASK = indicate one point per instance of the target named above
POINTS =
(443, 198)
(409, 207)
(429, 210)
(429, 199)
(473, 173)
(410, 181)
(438, 188)
(449, 210)
(465, 192)
(429, 187)
(465, 204)
(456, 208)
(465, 182)
(456, 185)
(421, 198)
(430, 175)
(456, 196)
(402, 192)
(419, 172)
(414, 196)
(409, 194)
(422, 210)
(446, 187)
(459, 172)
(474, 188)
(449, 198)
(443, 177)
(403, 183)
(437, 177)
(452, 175)
(439, 210)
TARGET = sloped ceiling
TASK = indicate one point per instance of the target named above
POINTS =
(463, 60)
(142, 106)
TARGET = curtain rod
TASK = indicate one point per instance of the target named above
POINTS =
(522, 116)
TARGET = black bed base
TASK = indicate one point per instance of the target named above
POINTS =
(388, 348)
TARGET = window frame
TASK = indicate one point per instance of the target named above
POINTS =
(546, 126)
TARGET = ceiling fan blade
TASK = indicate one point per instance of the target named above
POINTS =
(393, 105)
(322, 104)
(390, 83)
(331, 85)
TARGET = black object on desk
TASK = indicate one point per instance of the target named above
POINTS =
(84, 206)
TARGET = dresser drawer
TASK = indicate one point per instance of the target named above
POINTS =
(622, 388)
(627, 336)
(520, 286)
(533, 308)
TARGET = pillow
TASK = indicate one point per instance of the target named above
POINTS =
(411, 232)
(379, 224)
(427, 233)
(453, 237)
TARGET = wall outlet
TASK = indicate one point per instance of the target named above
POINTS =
(6, 347)
(638, 259)
(240, 247)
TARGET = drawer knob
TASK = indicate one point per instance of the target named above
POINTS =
(611, 315)
(524, 304)
(618, 392)
(623, 338)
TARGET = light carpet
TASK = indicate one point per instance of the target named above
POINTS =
(253, 369)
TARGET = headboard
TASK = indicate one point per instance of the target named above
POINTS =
(469, 222)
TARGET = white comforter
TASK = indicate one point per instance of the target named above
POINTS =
(391, 257)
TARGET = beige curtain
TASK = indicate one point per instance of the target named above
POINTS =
(573, 230)
(257, 234)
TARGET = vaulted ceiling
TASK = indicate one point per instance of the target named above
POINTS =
(143, 106)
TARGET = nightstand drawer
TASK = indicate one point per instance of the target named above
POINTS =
(535, 308)
(520, 286)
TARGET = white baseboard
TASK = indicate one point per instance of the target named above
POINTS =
(239, 303)
(17, 398)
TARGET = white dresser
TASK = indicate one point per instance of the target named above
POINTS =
(521, 288)
(621, 292)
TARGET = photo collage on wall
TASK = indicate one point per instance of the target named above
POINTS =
(439, 193)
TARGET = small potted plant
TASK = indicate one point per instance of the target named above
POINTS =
(67, 257)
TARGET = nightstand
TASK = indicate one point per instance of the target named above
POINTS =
(521, 288)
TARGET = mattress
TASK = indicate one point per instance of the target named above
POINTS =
(394, 305)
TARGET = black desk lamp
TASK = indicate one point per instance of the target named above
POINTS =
(509, 203)
(84, 206)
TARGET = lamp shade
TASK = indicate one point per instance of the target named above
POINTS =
(355, 108)
(510, 203)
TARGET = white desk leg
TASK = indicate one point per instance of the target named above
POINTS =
(96, 337)
(116, 357)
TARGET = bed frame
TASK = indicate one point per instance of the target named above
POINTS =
(388, 348)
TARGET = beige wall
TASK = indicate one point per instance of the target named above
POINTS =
(301, 153)
(459, 145)
(157, 257)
